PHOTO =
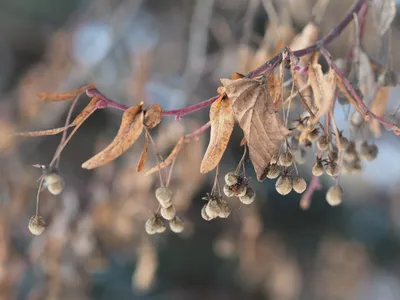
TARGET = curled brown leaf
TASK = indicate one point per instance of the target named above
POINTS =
(222, 123)
(89, 108)
(143, 156)
(378, 107)
(128, 133)
(53, 131)
(170, 158)
(152, 116)
(64, 96)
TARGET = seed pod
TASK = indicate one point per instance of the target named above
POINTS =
(54, 183)
(318, 168)
(273, 171)
(155, 225)
(323, 142)
(249, 197)
(231, 178)
(333, 155)
(300, 156)
(168, 213)
(299, 184)
(334, 195)
(37, 225)
(164, 195)
(309, 123)
(176, 225)
(286, 159)
(228, 190)
(224, 210)
(344, 142)
(388, 78)
(356, 119)
(350, 153)
(313, 135)
(204, 214)
(274, 158)
(332, 169)
(299, 125)
(240, 189)
(283, 185)
(213, 209)
(368, 152)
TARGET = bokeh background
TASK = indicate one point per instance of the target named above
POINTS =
(173, 52)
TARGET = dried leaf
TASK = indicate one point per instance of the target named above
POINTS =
(349, 98)
(323, 87)
(129, 131)
(307, 37)
(263, 130)
(222, 123)
(143, 156)
(274, 86)
(64, 96)
(243, 142)
(170, 158)
(86, 111)
(378, 107)
(385, 14)
(366, 77)
(236, 75)
(53, 131)
(152, 116)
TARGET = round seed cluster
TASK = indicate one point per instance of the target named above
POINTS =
(216, 207)
(237, 186)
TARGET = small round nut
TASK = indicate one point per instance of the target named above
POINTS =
(168, 213)
(249, 197)
(273, 171)
(224, 210)
(334, 195)
(323, 142)
(332, 169)
(299, 184)
(228, 190)
(318, 168)
(231, 178)
(54, 183)
(176, 225)
(204, 214)
(37, 225)
(164, 196)
(240, 189)
(368, 152)
(313, 135)
(285, 159)
(283, 185)
(344, 142)
(213, 209)
(154, 225)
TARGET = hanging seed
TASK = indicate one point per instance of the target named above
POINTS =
(286, 159)
(231, 178)
(323, 142)
(164, 196)
(299, 184)
(176, 225)
(344, 143)
(54, 183)
(37, 225)
(273, 171)
(318, 168)
(387, 78)
(298, 124)
(356, 119)
(249, 197)
(228, 190)
(310, 123)
(334, 195)
(350, 153)
(313, 135)
(300, 156)
(168, 213)
(224, 210)
(240, 189)
(213, 209)
(283, 185)
(332, 169)
(204, 214)
(333, 155)
(368, 152)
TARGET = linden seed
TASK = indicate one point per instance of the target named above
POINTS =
(274, 158)
(228, 190)
(168, 213)
(249, 197)
(213, 209)
(300, 156)
(309, 121)
(332, 169)
(176, 225)
(350, 153)
(318, 168)
(286, 159)
(323, 143)
(204, 214)
(299, 184)
(334, 195)
(224, 210)
(368, 152)
(154, 225)
(283, 185)
(273, 171)
(344, 143)
(313, 135)
(231, 178)
(356, 119)
(164, 195)
(54, 183)
(240, 189)
(333, 155)
(37, 225)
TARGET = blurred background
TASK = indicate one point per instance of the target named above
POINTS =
(173, 52)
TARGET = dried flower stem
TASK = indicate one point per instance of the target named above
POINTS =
(197, 132)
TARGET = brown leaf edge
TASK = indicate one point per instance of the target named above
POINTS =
(130, 129)
(178, 147)
(143, 156)
(64, 96)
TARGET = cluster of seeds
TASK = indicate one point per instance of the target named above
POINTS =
(237, 186)
(155, 224)
(216, 207)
